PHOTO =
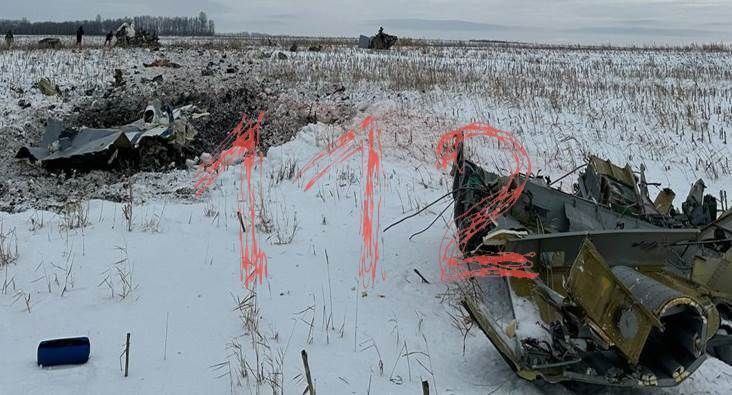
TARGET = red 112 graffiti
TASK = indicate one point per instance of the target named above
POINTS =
(243, 142)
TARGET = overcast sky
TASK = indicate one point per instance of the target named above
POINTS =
(586, 21)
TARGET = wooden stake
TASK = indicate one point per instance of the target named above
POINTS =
(165, 345)
(241, 222)
(311, 387)
(127, 354)
(424, 280)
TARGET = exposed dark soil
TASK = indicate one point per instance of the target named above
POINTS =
(226, 105)
(224, 95)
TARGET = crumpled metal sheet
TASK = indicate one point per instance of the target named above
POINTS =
(59, 143)
(86, 141)
(364, 42)
(607, 168)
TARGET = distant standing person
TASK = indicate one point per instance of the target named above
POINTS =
(79, 35)
(9, 38)
(109, 38)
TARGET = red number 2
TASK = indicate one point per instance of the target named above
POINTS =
(453, 266)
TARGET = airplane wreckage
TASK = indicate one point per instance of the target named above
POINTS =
(154, 141)
(629, 292)
(379, 41)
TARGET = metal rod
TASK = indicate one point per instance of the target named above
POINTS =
(565, 176)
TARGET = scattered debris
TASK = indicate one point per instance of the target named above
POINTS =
(616, 187)
(162, 63)
(315, 48)
(118, 78)
(628, 293)
(380, 41)
(124, 32)
(22, 103)
(281, 56)
(128, 36)
(156, 140)
(338, 89)
(47, 87)
(699, 208)
(49, 42)
(97, 106)
(364, 42)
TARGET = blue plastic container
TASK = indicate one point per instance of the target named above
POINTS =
(69, 351)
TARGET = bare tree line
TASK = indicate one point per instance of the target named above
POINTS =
(165, 26)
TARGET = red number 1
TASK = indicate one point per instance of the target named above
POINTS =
(243, 143)
(347, 145)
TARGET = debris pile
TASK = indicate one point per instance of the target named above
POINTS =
(623, 291)
(119, 79)
(123, 99)
(47, 87)
(162, 63)
(617, 188)
(156, 140)
(128, 36)
(380, 41)
(49, 42)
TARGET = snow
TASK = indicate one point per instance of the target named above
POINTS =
(183, 256)
(183, 262)
(187, 271)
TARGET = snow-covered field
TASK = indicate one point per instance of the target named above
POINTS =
(173, 281)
